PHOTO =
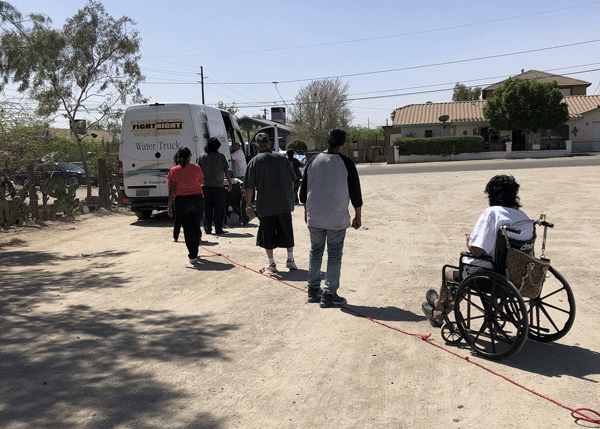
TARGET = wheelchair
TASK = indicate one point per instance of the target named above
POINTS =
(494, 315)
(236, 201)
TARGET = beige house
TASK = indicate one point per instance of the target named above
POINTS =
(466, 118)
(567, 85)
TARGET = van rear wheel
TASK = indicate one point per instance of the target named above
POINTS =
(144, 214)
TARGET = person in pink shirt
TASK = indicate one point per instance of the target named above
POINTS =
(185, 194)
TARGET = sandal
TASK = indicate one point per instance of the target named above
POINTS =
(431, 296)
(428, 310)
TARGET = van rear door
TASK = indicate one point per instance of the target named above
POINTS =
(152, 135)
(216, 128)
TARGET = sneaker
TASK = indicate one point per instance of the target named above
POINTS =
(194, 261)
(314, 294)
(332, 300)
(174, 240)
(428, 310)
(271, 267)
(431, 296)
(290, 264)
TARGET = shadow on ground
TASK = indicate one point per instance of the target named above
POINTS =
(79, 367)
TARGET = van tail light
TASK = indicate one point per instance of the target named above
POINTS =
(121, 182)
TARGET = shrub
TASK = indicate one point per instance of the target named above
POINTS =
(298, 145)
(439, 145)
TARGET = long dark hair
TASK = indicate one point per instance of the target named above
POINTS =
(181, 157)
(502, 190)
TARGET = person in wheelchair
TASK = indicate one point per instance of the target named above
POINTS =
(504, 209)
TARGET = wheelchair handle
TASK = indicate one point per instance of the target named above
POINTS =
(544, 223)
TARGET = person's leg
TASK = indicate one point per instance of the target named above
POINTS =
(335, 247)
(195, 223)
(315, 256)
(219, 209)
(176, 226)
(187, 215)
(265, 238)
(296, 188)
(209, 205)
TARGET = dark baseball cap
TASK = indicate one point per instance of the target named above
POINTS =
(262, 138)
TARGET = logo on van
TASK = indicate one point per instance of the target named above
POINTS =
(158, 127)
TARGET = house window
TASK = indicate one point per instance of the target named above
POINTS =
(565, 91)
(428, 133)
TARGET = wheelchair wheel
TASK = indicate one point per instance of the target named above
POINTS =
(491, 315)
(244, 219)
(552, 314)
(451, 334)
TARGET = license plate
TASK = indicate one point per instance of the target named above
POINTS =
(142, 192)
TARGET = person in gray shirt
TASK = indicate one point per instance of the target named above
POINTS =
(215, 168)
(329, 185)
(272, 176)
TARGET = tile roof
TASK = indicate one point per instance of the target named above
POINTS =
(472, 112)
(425, 114)
(541, 76)
(579, 104)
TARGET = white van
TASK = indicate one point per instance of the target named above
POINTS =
(150, 137)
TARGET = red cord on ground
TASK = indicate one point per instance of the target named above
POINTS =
(576, 413)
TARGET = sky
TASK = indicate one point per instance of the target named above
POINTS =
(259, 54)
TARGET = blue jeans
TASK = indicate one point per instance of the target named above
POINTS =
(335, 246)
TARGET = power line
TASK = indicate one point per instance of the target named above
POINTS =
(423, 66)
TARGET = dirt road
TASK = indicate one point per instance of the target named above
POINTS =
(105, 324)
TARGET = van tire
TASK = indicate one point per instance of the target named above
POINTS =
(144, 214)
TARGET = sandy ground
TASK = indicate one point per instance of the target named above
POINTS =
(105, 324)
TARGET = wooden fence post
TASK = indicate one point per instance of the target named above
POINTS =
(103, 189)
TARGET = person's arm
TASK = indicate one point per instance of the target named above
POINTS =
(357, 222)
(228, 177)
(249, 195)
(476, 251)
(172, 189)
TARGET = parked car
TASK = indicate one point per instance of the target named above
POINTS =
(57, 170)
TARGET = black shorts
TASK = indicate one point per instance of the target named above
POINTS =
(275, 231)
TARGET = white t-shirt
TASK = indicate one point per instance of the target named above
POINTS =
(238, 163)
(486, 229)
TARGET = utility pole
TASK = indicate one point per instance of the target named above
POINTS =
(202, 82)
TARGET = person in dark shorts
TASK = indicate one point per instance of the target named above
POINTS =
(271, 174)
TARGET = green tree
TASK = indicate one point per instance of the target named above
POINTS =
(393, 114)
(465, 93)
(231, 108)
(87, 67)
(319, 107)
(527, 105)
(22, 137)
(364, 133)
